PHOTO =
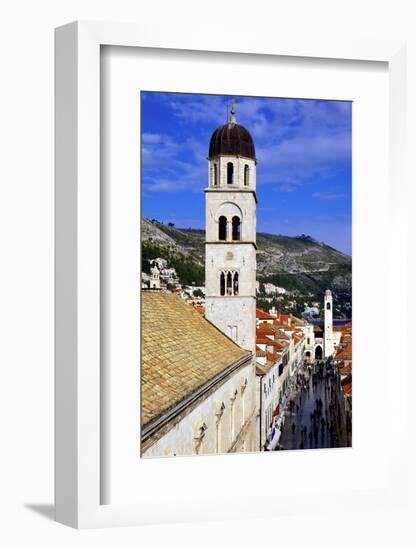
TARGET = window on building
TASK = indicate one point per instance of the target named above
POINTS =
(230, 172)
(235, 228)
(328, 305)
(236, 284)
(222, 228)
(222, 285)
(214, 174)
(308, 341)
(229, 284)
(246, 175)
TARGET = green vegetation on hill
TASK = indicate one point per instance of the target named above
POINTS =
(300, 263)
(189, 269)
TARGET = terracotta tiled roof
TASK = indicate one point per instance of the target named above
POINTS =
(261, 314)
(284, 326)
(181, 351)
(297, 321)
(281, 334)
(343, 355)
(346, 369)
(279, 346)
(263, 369)
(265, 329)
(347, 385)
(346, 329)
(264, 340)
(345, 352)
(284, 318)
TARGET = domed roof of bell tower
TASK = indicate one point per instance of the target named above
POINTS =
(232, 139)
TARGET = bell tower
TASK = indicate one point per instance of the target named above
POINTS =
(231, 233)
(328, 324)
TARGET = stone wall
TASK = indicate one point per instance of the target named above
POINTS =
(228, 429)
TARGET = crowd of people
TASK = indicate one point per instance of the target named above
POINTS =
(314, 413)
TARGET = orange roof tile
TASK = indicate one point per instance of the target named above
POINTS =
(347, 385)
(264, 340)
(284, 318)
(261, 314)
(280, 346)
(346, 369)
(265, 331)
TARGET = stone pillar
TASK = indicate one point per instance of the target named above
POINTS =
(229, 231)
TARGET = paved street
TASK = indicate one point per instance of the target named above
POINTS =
(315, 416)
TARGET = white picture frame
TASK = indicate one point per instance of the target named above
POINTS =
(78, 501)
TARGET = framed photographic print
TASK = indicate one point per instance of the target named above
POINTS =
(253, 365)
(220, 209)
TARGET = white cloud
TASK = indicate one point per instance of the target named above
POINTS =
(295, 140)
(328, 196)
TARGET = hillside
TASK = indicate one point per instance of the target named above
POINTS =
(296, 263)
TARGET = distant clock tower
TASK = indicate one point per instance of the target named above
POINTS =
(231, 233)
(328, 324)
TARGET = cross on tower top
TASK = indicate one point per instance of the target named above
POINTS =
(232, 119)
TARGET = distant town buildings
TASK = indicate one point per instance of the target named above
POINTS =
(155, 281)
(272, 289)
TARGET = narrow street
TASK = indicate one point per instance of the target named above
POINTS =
(315, 417)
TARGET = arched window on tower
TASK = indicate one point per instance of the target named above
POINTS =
(328, 305)
(222, 284)
(222, 228)
(229, 284)
(246, 175)
(235, 228)
(230, 172)
(215, 175)
(236, 284)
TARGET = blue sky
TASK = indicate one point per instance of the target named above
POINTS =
(303, 150)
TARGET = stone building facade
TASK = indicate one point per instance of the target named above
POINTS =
(231, 234)
(198, 391)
